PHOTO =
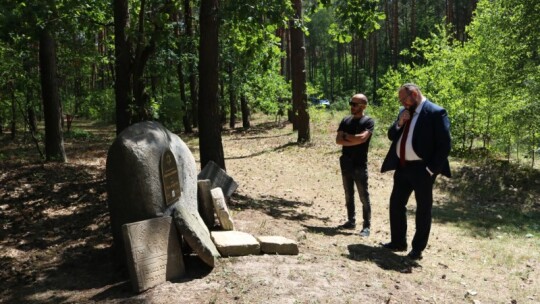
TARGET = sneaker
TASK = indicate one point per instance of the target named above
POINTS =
(348, 225)
(364, 232)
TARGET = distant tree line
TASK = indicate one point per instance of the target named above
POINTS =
(200, 64)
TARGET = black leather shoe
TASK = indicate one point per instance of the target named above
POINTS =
(394, 247)
(415, 255)
(348, 225)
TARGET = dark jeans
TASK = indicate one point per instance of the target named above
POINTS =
(412, 177)
(358, 176)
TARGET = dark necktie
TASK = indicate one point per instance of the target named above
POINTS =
(404, 139)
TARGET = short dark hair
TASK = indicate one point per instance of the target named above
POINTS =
(410, 87)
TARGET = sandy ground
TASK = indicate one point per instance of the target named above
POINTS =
(55, 242)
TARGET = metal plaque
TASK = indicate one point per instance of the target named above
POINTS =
(169, 178)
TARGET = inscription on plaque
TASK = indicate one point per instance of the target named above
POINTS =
(169, 178)
(153, 252)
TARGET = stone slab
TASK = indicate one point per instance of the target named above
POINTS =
(222, 211)
(205, 202)
(134, 178)
(235, 243)
(153, 252)
(278, 245)
(218, 177)
(196, 234)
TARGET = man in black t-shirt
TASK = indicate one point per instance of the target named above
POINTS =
(354, 134)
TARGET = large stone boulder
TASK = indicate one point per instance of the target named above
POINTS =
(134, 181)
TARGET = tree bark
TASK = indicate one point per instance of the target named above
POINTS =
(374, 53)
(232, 99)
(210, 145)
(298, 68)
(186, 113)
(54, 139)
(245, 112)
(188, 19)
(122, 87)
(395, 34)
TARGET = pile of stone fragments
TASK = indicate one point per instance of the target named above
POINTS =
(157, 202)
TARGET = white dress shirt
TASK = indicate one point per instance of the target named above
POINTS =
(410, 155)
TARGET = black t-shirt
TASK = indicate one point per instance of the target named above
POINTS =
(351, 125)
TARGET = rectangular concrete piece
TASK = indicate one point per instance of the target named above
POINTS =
(235, 243)
(153, 252)
(278, 245)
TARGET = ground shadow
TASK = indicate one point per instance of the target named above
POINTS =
(275, 207)
(56, 216)
(383, 257)
(488, 196)
(329, 231)
(275, 149)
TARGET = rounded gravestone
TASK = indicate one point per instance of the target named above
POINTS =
(134, 178)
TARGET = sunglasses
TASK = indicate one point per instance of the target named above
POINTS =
(355, 104)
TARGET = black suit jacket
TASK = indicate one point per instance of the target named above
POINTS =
(431, 140)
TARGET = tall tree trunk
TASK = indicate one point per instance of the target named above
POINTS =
(298, 68)
(413, 20)
(143, 52)
(449, 12)
(290, 112)
(245, 112)
(332, 73)
(374, 65)
(210, 145)
(54, 139)
(232, 99)
(122, 84)
(395, 34)
(13, 126)
(186, 119)
(188, 19)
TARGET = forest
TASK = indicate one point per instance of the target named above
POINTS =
(199, 65)
(259, 87)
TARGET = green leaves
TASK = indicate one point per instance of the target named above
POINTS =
(489, 84)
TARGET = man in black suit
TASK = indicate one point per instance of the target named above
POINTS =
(424, 129)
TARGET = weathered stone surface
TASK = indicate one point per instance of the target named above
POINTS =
(222, 211)
(196, 234)
(134, 185)
(235, 243)
(219, 178)
(277, 245)
(206, 203)
(153, 252)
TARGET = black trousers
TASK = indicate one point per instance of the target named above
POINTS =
(411, 177)
(357, 176)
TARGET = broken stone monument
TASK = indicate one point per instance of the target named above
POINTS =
(219, 178)
(277, 245)
(206, 203)
(141, 181)
(153, 252)
(196, 234)
(235, 243)
(222, 211)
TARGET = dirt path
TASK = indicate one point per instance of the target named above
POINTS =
(55, 244)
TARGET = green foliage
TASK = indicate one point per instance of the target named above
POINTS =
(355, 17)
(170, 111)
(79, 134)
(489, 85)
